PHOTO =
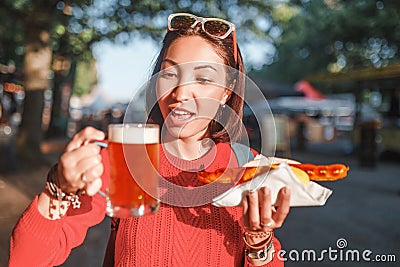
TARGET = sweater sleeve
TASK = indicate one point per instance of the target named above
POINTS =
(276, 262)
(38, 241)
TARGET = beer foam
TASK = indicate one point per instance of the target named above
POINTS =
(133, 133)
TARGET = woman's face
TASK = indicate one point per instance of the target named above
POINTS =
(191, 87)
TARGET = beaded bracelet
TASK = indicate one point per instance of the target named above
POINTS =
(259, 251)
(54, 189)
(258, 234)
(259, 245)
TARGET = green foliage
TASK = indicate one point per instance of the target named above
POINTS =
(11, 39)
(335, 36)
(85, 78)
(83, 23)
(75, 25)
(310, 36)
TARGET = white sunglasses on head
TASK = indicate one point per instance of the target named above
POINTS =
(215, 27)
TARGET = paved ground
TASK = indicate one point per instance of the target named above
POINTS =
(363, 212)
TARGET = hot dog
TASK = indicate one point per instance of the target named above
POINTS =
(330, 172)
(305, 172)
(232, 175)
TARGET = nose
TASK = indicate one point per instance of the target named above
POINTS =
(184, 91)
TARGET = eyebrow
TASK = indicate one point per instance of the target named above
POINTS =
(195, 68)
(170, 61)
(205, 67)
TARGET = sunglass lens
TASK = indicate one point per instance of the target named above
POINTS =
(216, 28)
(182, 22)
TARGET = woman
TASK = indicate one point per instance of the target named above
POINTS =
(191, 101)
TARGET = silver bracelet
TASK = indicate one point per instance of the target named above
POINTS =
(262, 254)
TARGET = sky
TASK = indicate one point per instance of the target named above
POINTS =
(123, 69)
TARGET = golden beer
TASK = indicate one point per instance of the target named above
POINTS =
(133, 151)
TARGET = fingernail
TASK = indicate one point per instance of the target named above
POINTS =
(286, 190)
(266, 190)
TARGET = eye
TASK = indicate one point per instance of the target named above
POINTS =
(204, 80)
(168, 74)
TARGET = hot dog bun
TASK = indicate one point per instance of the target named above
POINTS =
(274, 163)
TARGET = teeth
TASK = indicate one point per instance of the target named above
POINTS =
(181, 112)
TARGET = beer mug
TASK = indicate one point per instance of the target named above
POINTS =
(133, 151)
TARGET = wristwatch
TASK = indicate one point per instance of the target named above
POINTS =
(262, 254)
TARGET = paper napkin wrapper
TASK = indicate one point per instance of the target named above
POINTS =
(301, 194)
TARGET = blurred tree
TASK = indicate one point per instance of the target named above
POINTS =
(86, 77)
(38, 34)
(333, 36)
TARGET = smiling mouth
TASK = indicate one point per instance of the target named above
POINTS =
(181, 114)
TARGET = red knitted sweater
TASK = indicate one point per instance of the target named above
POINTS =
(175, 236)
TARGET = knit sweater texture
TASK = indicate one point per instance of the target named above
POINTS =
(202, 235)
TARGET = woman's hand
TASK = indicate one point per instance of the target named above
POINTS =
(80, 166)
(260, 218)
(259, 215)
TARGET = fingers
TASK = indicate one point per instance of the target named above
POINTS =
(265, 208)
(93, 181)
(253, 211)
(81, 163)
(83, 137)
(89, 168)
(80, 159)
(75, 174)
(283, 204)
(72, 158)
(245, 217)
(93, 186)
(260, 214)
